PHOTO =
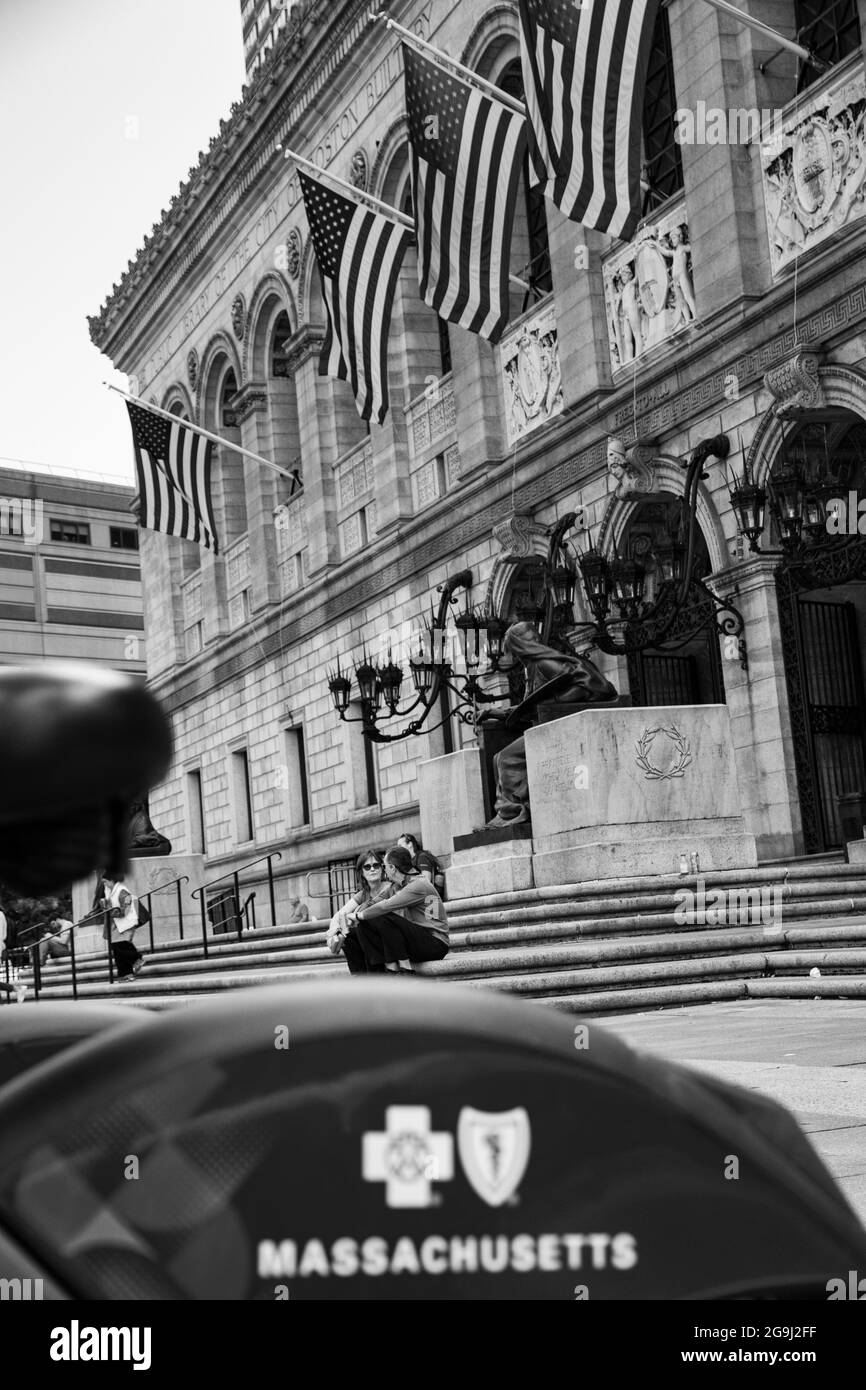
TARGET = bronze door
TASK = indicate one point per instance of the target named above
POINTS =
(832, 696)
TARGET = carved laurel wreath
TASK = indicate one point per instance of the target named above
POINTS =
(681, 744)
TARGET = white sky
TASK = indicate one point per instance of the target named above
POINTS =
(79, 195)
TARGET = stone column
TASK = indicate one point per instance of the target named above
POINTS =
(715, 60)
(318, 436)
(260, 485)
(760, 719)
(575, 257)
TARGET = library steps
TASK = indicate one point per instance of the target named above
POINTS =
(585, 948)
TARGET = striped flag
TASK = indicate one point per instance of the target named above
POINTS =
(359, 253)
(173, 464)
(584, 74)
(467, 155)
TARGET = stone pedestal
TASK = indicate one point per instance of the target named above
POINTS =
(617, 793)
(451, 799)
(856, 851)
(145, 874)
(498, 861)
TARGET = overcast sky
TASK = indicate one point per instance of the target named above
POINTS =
(104, 105)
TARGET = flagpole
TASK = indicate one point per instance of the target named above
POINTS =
(803, 53)
(197, 429)
(422, 46)
(386, 207)
(356, 192)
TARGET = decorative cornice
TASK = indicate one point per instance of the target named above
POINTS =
(299, 79)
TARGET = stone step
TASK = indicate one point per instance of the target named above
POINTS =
(565, 945)
(621, 1001)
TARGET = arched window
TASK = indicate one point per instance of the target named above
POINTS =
(831, 28)
(283, 408)
(661, 162)
(410, 277)
(530, 251)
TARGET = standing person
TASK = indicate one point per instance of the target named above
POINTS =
(425, 862)
(410, 925)
(122, 908)
(13, 986)
(372, 885)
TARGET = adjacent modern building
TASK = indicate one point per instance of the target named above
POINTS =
(70, 583)
(738, 307)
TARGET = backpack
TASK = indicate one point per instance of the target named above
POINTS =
(143, 913)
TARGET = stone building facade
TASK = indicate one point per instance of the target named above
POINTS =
(739, 307)
(70, 583)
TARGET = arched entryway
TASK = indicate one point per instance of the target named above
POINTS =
(678, 672)
(821, 589)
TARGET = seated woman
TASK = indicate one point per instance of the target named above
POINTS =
(425, 862)
(371, 886)
(408, 926)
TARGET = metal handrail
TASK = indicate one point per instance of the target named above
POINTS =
(234, 874)
(172, 883)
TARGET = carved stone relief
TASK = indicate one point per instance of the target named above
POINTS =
(648, 288)
(239, 315)
(813, 167)
(294, 248)
(531, 375)
(796, 386)
(631, 470)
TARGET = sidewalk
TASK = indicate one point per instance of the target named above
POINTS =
(810, 1055)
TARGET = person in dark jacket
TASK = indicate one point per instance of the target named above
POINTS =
(425, 862)
(578, 681)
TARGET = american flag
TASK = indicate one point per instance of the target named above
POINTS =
(359, 253)
(584, 75)
(173, 464)
(467, 155)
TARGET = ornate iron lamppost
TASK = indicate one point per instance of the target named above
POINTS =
(682, 606)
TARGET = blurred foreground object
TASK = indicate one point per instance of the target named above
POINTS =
(77, 745)
(390, 1139)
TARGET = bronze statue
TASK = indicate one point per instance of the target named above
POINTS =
(143, 838)
(552, 677)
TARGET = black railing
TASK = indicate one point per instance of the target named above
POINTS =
(28, 949)
(146, 897)
(226, 908)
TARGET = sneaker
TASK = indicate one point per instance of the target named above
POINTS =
(138, 964)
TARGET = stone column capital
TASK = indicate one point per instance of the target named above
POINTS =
(306, 343)
(251, 398)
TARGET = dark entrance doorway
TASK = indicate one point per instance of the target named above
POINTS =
(826, 699)
(821, 589)
(687, 673)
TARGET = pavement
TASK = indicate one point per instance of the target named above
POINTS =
(810, 1055)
